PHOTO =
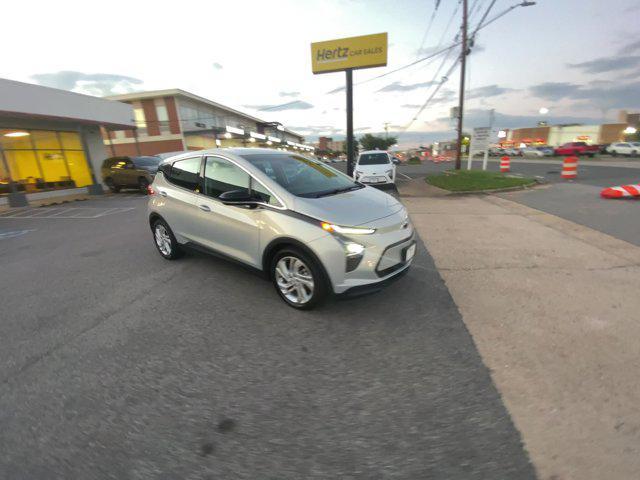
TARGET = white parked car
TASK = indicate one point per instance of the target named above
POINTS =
(623, 148)
(531, 152)
(375, 167)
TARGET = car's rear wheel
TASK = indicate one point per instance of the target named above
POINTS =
(298, 279)
(112, 186)
(165, 241)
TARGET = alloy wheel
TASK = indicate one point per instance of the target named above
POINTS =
(163, 240)
(294, 280)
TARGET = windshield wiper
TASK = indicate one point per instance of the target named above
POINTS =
(337, 190)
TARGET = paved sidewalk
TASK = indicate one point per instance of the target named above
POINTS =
(553, 309)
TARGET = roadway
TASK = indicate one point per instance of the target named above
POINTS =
(115, 363)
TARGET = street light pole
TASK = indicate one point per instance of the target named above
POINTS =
(463, 68)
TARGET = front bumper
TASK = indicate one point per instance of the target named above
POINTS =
(371, 179)
(369, 288)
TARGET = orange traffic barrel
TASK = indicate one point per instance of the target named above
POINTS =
(505, 164)
(621, 191)
(570, 168)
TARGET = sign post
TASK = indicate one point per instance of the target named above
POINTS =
(479, 143)
(349, 54)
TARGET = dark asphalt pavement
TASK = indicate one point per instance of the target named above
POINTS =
(117, 364)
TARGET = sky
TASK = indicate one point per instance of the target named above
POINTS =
(580, 59)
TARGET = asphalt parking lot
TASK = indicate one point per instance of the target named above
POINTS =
(115, 363)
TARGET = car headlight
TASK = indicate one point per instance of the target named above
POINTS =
(354, 252)
(330, 227)
(354, 248)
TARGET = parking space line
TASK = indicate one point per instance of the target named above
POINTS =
(60, 212)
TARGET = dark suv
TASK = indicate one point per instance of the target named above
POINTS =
(129, 172)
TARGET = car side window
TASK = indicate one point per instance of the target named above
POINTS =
(185, 173)
(263, 194)
(221, 175)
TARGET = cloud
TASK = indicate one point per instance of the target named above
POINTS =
(621, 95)
(480, 118)
(361, 129)
(488, 91)
(98, 84)
(607, 64)
(399, 87)
(553, 90)
(411, 105)
(295, 105)
(427, 50)
(217, 66)
(289, 94)
(336, 90)
(630, 48)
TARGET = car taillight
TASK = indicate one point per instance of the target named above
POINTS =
(150, 190)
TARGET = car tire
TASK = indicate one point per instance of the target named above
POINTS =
(165, 241)
(614, 153)
(299, 279)
(112, 186)
(143, 183)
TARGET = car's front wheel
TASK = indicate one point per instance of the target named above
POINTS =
(165, 241)
(298, 279)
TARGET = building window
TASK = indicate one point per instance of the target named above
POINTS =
(39, 160)
(163, 116)
(141, 122)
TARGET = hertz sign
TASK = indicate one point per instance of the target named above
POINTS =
(349, 53)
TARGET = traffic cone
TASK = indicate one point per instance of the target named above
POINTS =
(505, 164)
(621, 191)
(570, 168)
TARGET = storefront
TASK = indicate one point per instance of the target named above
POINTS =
(50, 141)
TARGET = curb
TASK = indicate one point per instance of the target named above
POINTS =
(497, 190)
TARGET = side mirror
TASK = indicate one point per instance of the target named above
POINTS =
(238, 197)
(395, 160)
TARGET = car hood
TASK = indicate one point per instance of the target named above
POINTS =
(350, 209)
(373, 169)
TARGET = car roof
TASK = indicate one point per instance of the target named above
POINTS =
(373, 151)
(233, 151)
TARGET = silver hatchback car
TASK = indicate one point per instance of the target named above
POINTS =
(313, 230)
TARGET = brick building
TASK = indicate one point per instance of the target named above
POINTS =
(175, 120)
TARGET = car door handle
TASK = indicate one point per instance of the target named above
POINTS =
(162, 192)
(204, 208)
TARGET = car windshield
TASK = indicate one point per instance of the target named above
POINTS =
(146, 161)
(302, 176)
(373, 159)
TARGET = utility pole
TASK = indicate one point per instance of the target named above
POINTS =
(386, 129)
(350, 145)
(463, 68)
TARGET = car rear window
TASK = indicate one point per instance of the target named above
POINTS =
(146, 161)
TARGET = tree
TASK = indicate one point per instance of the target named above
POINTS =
(372, 142)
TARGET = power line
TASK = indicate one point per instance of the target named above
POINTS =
(428, 29)
(433, 94)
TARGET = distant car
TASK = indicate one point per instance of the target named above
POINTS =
(375, 168)
(531, 152)
(513, 152)
(577, 148)
(623, 148)
(129, 172)
(546, 151)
